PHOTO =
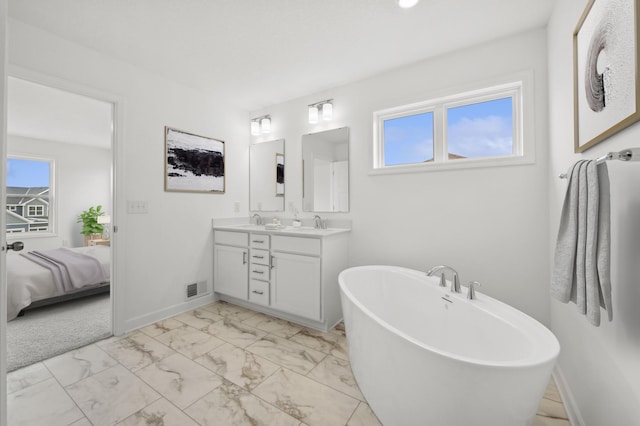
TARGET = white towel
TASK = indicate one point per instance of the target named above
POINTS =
(581, 271)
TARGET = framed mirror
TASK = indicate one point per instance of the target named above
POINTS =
(325, 171)
(266, 176)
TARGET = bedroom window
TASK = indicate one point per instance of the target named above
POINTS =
(29, 195)
(478, 128)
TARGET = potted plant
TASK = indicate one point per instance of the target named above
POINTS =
(91, 229)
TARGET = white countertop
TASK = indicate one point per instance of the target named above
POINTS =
(292, 231)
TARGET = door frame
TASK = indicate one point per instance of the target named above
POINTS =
(117, 159)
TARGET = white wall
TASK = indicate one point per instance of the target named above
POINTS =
(601, 365)
(82, 179)
(489, 223)
(157, 253)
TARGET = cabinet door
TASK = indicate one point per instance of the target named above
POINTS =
(296, 284)
(231, 271)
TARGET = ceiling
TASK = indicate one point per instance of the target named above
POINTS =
(49, 114)
(256, 53)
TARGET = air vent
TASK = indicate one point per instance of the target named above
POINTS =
(195, 290)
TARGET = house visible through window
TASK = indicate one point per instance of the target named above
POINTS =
(29, 195)
(463, 129)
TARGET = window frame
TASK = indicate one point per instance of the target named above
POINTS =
(51, 207)
(516, 88)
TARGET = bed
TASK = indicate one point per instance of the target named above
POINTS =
(29, 284)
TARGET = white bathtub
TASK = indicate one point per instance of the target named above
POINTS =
(423, 356)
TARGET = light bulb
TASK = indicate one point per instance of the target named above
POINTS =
(313, 114)
(265, 123)
(327, 111)
(255, 128)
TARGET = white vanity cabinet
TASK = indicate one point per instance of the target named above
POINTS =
(291, 275)
(231, 264)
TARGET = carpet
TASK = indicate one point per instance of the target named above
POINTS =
(52, 330)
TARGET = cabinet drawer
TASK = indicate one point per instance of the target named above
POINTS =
(260, 241)
(259, 272)
(259, 256)
(259, 292)
(232, 238)
(296, 245)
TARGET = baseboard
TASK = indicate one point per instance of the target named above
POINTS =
(570, 405)
(159, 315)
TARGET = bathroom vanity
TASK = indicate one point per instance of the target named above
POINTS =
(290, 273)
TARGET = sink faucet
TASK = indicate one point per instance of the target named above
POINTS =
(455, 282)
(318, 223)
(258, 218)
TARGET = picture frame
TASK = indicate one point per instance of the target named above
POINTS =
(605, 71)
(193, 163)
(279, 175)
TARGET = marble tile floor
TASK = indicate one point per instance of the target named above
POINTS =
(219, 364)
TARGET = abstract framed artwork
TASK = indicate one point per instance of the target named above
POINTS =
(193, 163)
(279, 175)
(605, 64)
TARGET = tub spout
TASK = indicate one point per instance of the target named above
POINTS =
(455, 282)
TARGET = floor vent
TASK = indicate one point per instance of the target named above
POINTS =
(195, 290)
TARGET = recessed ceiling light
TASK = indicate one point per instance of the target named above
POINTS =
(406, 4)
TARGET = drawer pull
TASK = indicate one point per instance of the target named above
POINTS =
(257, 292)
(258, 272)
(258, 257)
(244, 257)
(258, 241)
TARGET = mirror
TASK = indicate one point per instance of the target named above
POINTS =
(266, 176)
(325, 171)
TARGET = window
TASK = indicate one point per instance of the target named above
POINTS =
(478, 128)
(36, 210)
(29, 195)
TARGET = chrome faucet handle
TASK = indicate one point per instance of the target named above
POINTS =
(471, 295)
(443, 280)
(455, 284)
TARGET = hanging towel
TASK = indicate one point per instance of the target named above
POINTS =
(581, 271)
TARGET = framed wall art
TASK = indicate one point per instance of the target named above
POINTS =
(193, 163)
(605, 56)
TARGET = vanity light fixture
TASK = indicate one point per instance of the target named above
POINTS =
(265, 124)
(255, 128)
(327, 111)
(406, 4)
(313, 114)
(261, 125)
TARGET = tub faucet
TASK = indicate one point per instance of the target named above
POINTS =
(258, 218)
(318, 223)
(455, 282)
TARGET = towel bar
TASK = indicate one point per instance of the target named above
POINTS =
(629, 154)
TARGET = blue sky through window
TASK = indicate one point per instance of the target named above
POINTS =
(27, 173)
(483, 129)
(408, 139)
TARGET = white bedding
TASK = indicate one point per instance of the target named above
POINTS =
(28, 282)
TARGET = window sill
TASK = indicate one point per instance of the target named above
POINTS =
(462, 164)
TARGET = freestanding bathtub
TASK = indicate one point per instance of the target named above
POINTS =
(424, 356)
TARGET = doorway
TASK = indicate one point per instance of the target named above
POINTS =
(60, 162)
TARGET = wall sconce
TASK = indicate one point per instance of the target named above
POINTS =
(261, 124)
(327, 111)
